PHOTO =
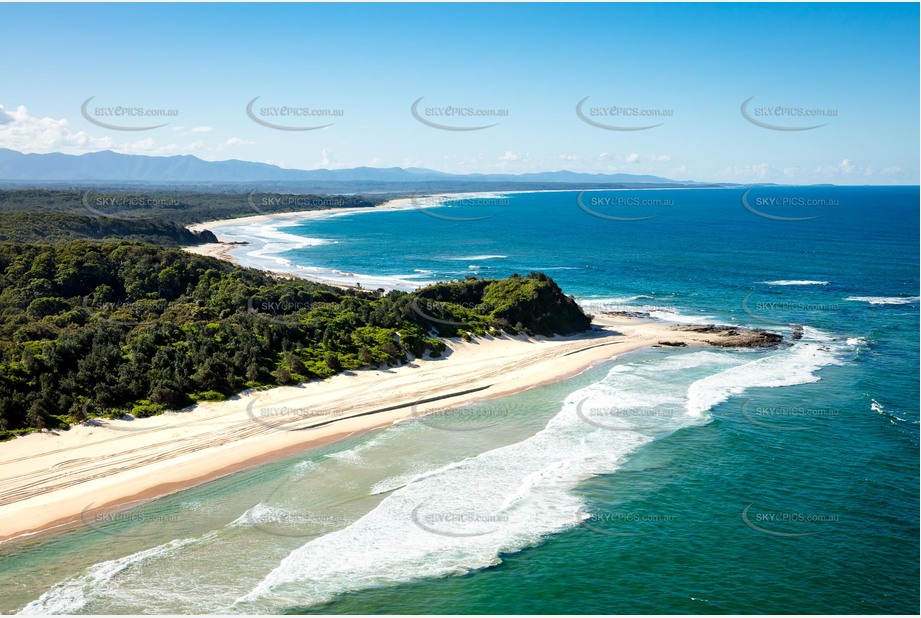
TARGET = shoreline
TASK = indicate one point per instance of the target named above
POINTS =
(223, 250)
(52, 480)
(256, 245)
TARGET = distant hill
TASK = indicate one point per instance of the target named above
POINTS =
(111, 167)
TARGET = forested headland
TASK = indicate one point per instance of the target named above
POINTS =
(106, 328)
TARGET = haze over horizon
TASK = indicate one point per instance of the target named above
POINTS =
(691, 93)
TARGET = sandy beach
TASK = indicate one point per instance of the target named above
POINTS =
(51, 480)
(275, 223)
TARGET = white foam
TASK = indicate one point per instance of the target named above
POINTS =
(796, 282)
(73, 594)
(884, 300)
(641, 303)
(527, 488)
(396, 482)
(681, 318)
(263, 514)
(405, 282)
(518, 494)
(468, 258)
(524, 489)
(890, 416)
(797, 365)
(355, 454)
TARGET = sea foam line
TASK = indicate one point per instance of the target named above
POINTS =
(884, 300)
(526, 489)
(73, 594)
(796, 282)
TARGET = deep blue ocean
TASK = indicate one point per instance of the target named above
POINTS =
(712, 481)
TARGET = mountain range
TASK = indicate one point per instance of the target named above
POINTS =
(111, 167)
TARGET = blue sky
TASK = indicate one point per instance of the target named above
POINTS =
(693, 65)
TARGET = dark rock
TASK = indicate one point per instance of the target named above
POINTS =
(733, 337)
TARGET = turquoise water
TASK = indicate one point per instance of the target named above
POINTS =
(665, 481)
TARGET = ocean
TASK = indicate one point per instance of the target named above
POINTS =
(661, 481)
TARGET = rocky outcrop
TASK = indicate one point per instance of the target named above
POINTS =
(732, 336)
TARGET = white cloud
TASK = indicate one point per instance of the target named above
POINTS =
(233, 141)
(181, 130)
(510, 156)
(847, 167)
(21, 131)
(757, 171)
(635, 157)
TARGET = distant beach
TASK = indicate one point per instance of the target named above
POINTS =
(247, 240)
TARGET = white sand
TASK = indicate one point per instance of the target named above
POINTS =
(49, 479)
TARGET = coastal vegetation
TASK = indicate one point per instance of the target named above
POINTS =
(94, 328)
(49, 227)
(178, 206)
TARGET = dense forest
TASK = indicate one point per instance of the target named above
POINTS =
(91, 328)
(42, 227)
(176, 206)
